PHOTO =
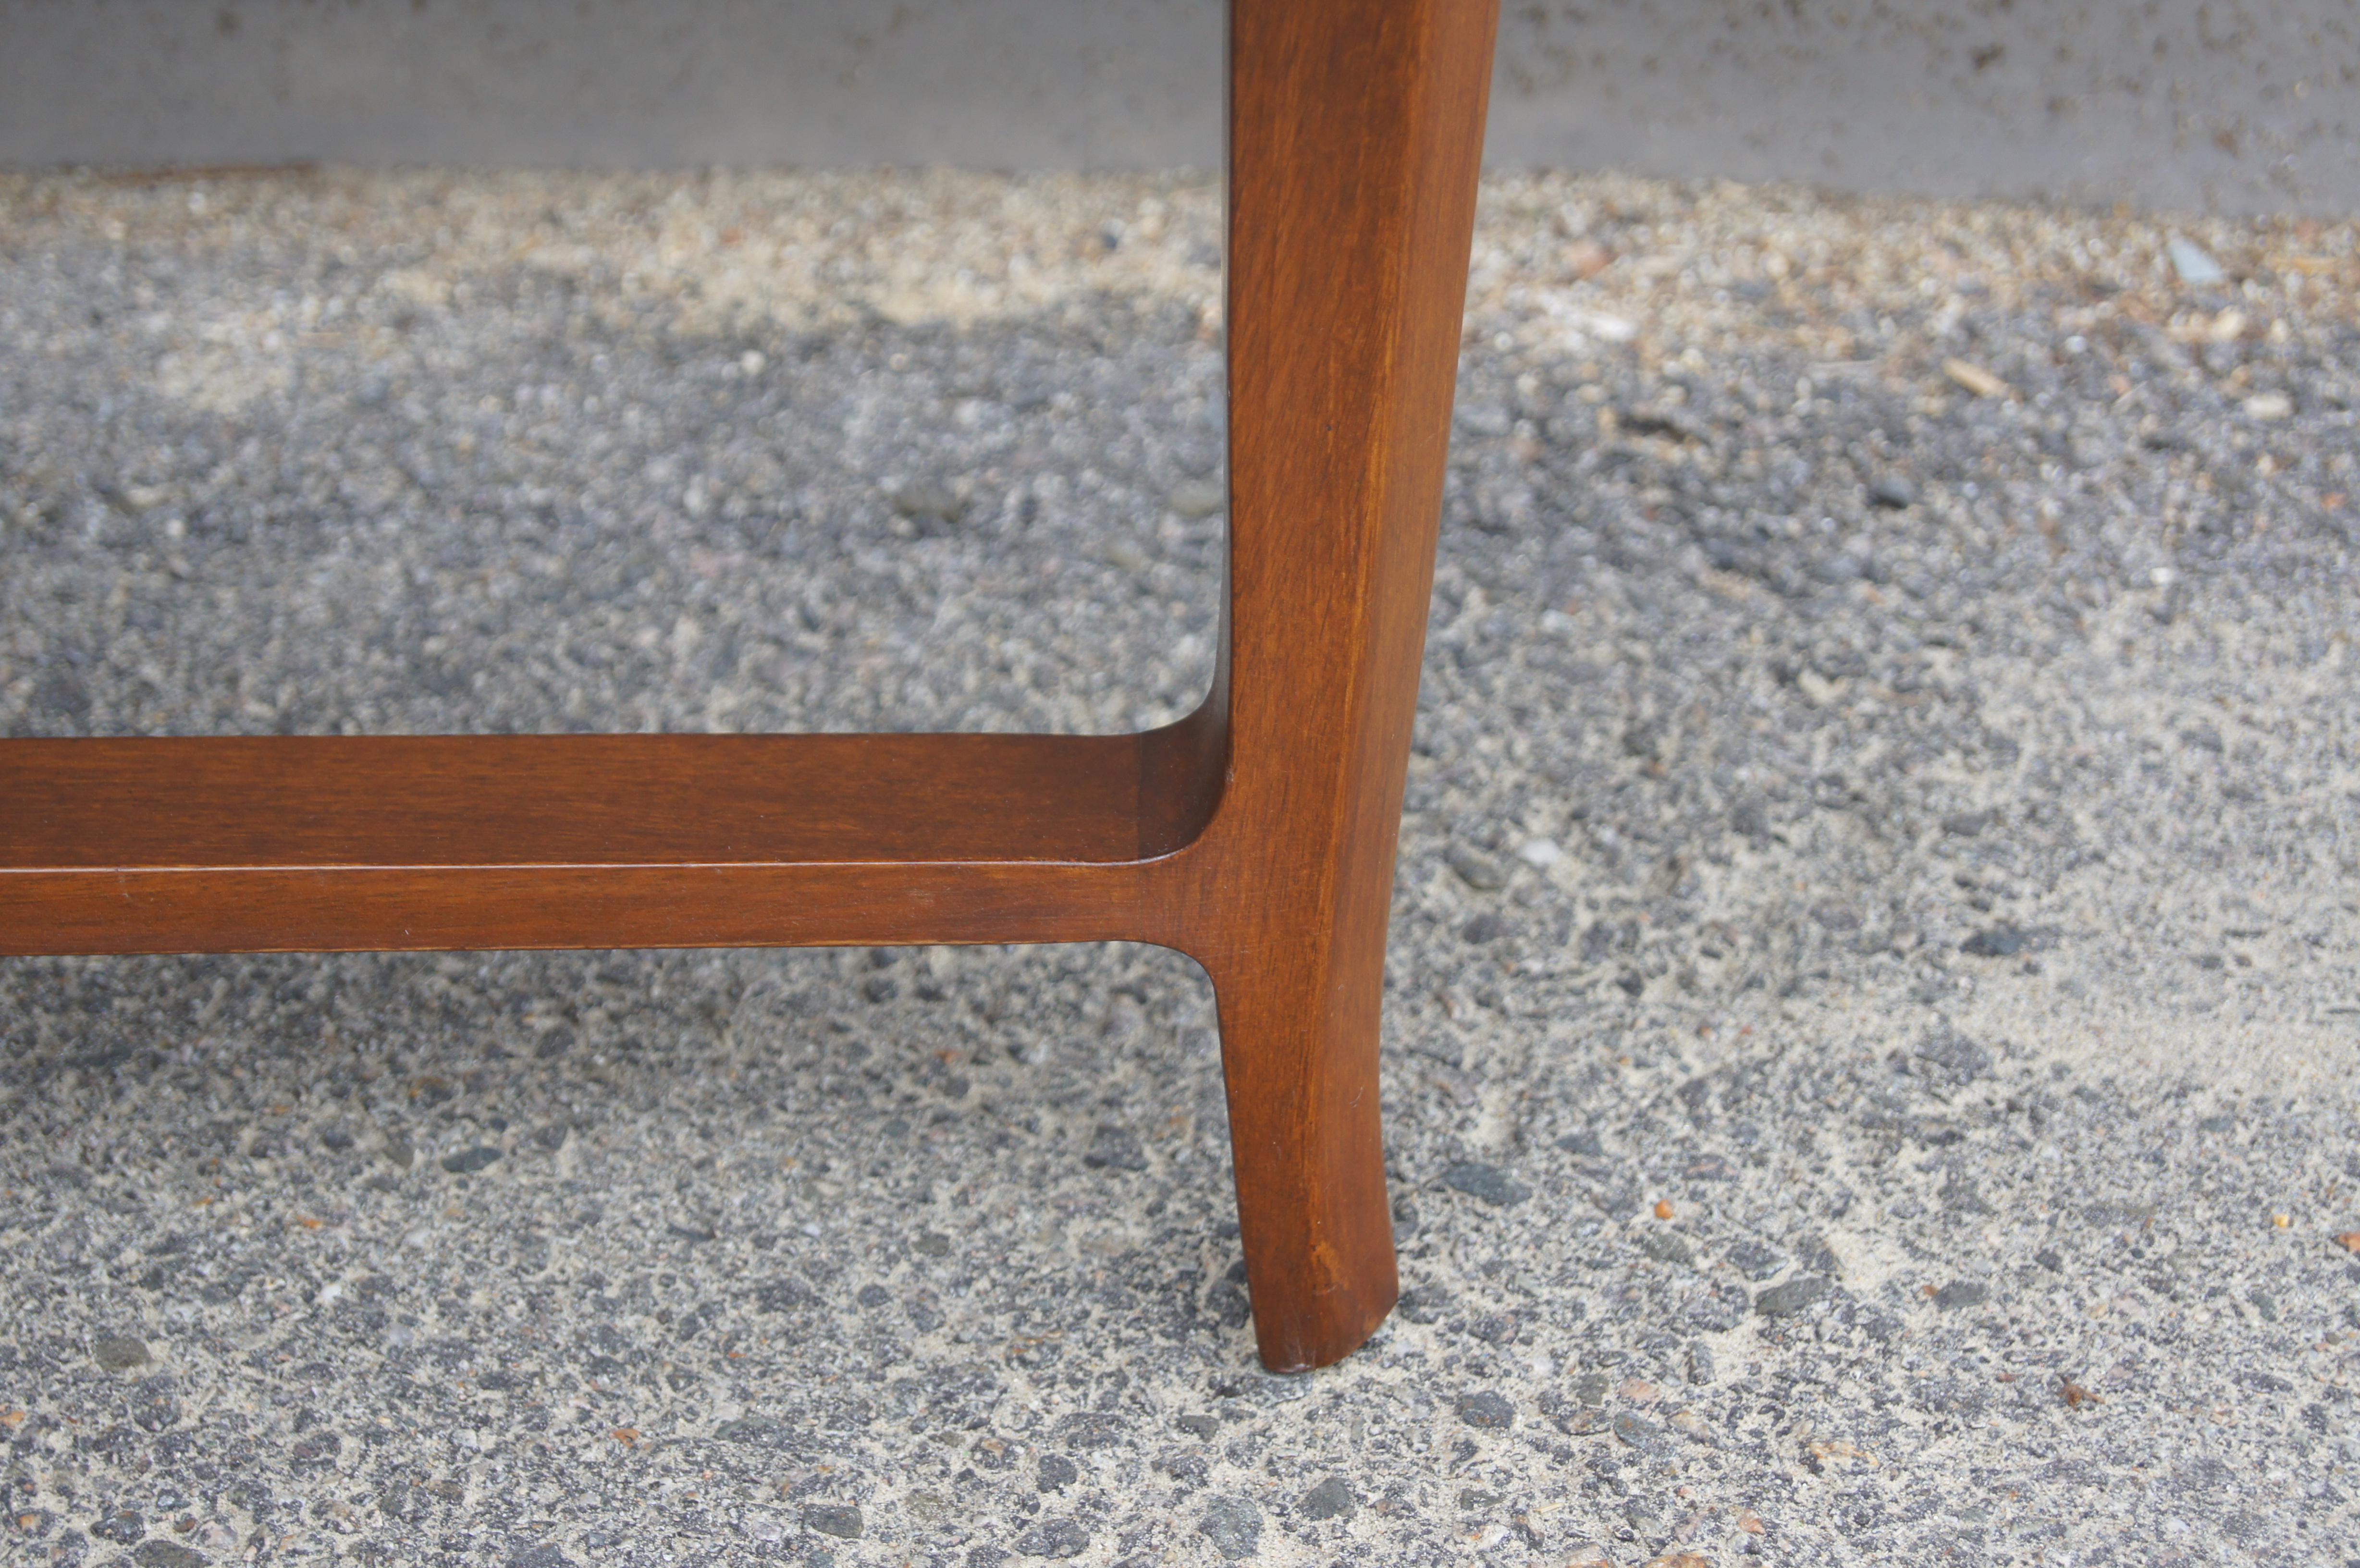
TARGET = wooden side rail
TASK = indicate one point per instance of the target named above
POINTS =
(386, 842)
(1256, 835)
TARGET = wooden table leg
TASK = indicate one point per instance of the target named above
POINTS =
(1256, 834)
(1355, 131)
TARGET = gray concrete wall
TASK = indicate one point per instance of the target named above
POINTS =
(2234, 104)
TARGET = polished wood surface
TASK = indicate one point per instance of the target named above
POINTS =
(1355, 131)
(1257, 836)
(513, 801)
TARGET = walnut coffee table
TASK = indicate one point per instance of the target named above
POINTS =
(1256, 835)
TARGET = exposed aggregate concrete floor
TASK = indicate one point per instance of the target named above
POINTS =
(1875, 990)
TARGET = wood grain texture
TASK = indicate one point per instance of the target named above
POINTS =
(1355, 134)
(515, 801)
(1257, 834)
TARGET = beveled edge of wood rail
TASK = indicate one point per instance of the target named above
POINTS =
(327, 843)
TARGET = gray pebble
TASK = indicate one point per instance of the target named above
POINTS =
(1055, 1537)
(2194, 265)
(1995, 941)
(927, 501)
(1234, 1527)
(1488, 1183)
(1665, 1247)
(1332, 1498)
(1484, 872)
(542, 1554)
(1700, 1365)
(1892, 491)
(840, 1519)
(1793, 1296)
(468, 1162)
(1961, 1294)
(1055, 1472)
(1638, 1432)
(1093, 1429)
(1482, 929)
(1495, 1328)
(155, 1403)
(1486, 1410)
(167, 1555)
(118, 1351)
(1196, 499)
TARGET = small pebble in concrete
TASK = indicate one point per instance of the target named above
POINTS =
(1483, 928)
(1700, 1362)
(1488, 1182)
(1479, 871)
(1665, 1247)
(1638, 1432)
(1791, 1297)
(929, 501)
(1996, 941)
(1330, 1499)
(1487, 1410)
(1234, 1527)
(840, 1519)
(2193, 263)
(1196, 499)
(118, 1351)
(1055, 1537)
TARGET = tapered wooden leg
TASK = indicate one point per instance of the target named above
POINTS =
(1355, 131)
(1300, 1052)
